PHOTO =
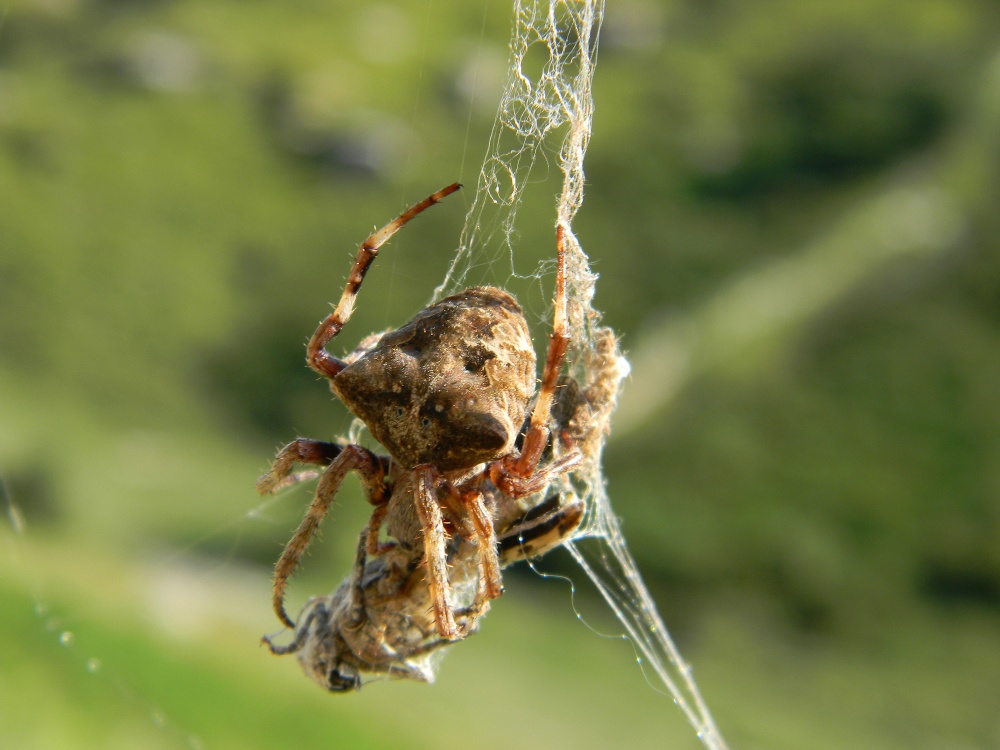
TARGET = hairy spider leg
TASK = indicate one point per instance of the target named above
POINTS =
(520, 476)
(538, 431)
(351, 458)
(320, 611)
(356, 612)
(467, 512)
(491, 585)
(301, 450)
(317, 357)
(429, 511)
(452, 505)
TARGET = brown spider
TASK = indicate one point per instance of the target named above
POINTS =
(380, 622)
(446, 394)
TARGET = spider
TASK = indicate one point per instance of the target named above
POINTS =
(446, 394)
(378, 622)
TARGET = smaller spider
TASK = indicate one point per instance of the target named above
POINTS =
(380, 620)
(447, 395)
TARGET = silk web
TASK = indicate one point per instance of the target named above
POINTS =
(547, 109)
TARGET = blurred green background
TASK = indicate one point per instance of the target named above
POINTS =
(793, 208)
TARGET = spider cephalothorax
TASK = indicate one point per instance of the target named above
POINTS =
(446, 394)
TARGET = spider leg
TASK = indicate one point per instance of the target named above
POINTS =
(468, 622)
(319, 612)
(429, 511)
(468, 617)
(490, 582)
(356, 612)
(371, 531)
(304, 451)
(514, 485)
(491, 585)
(538, 431)
(351, 458)
(455, 511)
(317, 357)
(520, 476)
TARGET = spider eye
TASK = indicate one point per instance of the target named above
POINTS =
(425, 422)
(400, 412)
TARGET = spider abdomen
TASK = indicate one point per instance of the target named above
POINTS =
(451, 386)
